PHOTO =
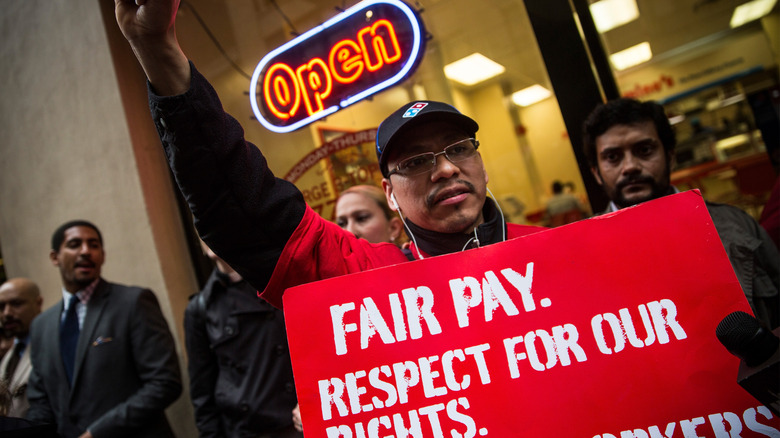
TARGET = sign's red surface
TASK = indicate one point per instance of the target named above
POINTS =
(602, 328)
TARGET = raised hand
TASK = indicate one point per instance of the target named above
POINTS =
(149, 27)
(146, 19)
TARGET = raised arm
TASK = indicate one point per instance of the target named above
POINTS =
(149, 27)
(240, 209)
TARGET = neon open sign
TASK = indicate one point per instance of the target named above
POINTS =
(367, 48)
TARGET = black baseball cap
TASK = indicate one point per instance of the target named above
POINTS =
(413, 114)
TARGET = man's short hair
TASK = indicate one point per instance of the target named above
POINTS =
(59, 234)
(625, 111)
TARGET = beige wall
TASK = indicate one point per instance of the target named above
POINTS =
(551, 147)
(508, 172)
(68, 152)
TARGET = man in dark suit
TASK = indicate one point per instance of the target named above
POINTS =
(104, 361)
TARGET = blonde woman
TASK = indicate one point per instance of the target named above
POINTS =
(363, 211)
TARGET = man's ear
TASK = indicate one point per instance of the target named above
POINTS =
(53, 258)
(388, 188)
(595, 171)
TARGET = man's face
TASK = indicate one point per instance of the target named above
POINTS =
(632, 165)
(362, 216)
(79, 258)
(18, 306)
(450, 197)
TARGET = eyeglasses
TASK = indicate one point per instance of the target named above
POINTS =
(422, 163)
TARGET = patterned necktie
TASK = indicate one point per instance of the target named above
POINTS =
(13, 361)
(69, 337)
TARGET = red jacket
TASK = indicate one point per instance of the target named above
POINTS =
(311, 254)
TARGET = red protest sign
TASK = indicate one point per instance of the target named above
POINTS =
(603, 328)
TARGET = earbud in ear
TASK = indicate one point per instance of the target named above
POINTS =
(394, 202)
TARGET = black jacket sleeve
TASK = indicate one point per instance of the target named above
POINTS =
(244, 213)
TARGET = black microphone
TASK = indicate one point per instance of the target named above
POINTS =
(759, 351)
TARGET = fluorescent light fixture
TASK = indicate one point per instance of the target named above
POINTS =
(609, 14)
(631, 56)
(750, 11)
(531, 95)
(473, 69)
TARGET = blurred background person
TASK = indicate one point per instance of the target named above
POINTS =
(363, 211)
(241, 379)
(563, 207)
(20, 303)
(103, 359)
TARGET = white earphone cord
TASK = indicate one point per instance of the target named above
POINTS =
(476, 238)
(408, 230)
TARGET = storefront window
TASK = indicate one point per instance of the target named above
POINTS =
(525, 148)
(718, 84)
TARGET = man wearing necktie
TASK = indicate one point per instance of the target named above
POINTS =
(20, 302)
(104, 360)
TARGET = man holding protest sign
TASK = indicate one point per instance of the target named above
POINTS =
(630, 147)
(435, 177)
(257, 223)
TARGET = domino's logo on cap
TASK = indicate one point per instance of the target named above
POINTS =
(414, 110)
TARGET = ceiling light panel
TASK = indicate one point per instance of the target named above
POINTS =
(631, 56)
(609, 14)
(531, 95)
(473, 69)
(750, 11)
